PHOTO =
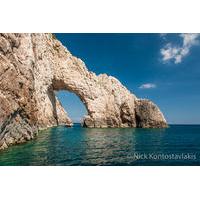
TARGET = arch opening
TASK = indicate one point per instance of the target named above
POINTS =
(72, 104)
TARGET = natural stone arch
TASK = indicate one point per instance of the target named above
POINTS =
(103, 96)
(32, 66)
(108, 102)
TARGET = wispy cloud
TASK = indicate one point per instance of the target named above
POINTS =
(147, 86)
(177, 53)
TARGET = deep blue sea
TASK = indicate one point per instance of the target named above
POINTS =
(176, 145)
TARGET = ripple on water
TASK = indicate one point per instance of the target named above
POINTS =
(108, 146)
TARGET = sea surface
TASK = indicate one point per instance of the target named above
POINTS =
(176, 145)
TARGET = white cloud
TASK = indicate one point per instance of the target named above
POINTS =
(147, 86)
(190, 39)
(177, 53)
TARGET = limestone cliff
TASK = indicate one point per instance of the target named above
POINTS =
(33, 66)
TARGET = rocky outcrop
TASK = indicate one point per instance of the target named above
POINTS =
(16, 129)
(33, 66)
(148, 115)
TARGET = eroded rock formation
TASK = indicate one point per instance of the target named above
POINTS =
(33, 66)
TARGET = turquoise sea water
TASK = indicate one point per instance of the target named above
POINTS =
(176, 145)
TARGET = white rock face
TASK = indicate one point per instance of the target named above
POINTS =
(33, 66)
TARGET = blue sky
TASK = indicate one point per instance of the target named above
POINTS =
(164, 68)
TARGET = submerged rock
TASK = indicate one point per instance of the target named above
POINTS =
(33, 66)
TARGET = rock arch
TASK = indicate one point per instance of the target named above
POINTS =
(34, 65)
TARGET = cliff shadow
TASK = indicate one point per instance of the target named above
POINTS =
(52, 98)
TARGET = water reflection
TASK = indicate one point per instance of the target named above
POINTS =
(46, 149)
(85, 146)
(105, 146)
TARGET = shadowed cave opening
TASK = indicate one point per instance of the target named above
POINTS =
(72, 104)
